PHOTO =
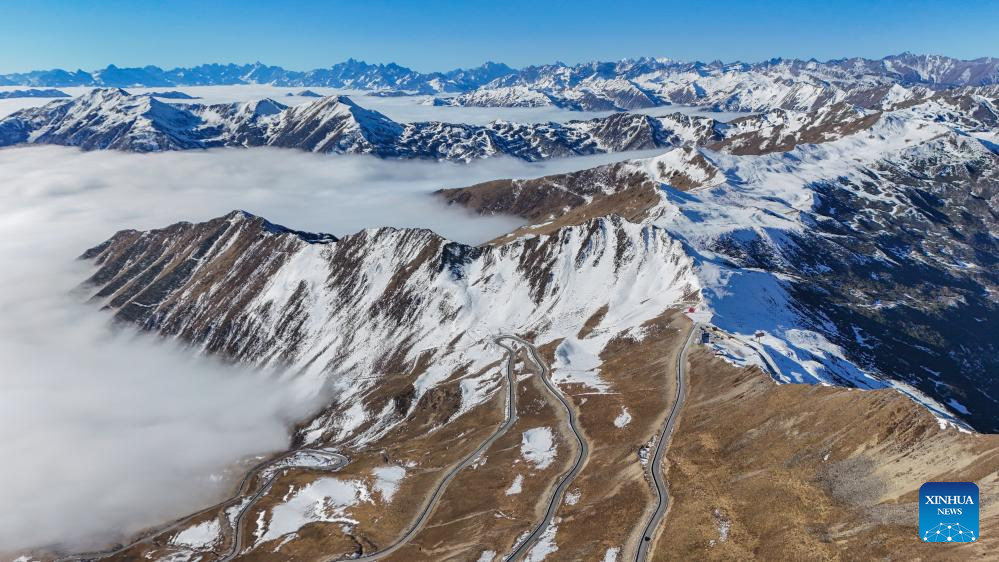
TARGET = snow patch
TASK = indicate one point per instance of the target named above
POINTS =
(202, 536)
(623, 418)
(578, 361)
(545, 545)
(387, 480)
(516, 487)
(572, 498)
(538, 446)
(957, 406)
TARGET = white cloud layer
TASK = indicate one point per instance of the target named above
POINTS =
(103, 434)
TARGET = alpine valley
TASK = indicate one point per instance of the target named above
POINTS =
(756, 343)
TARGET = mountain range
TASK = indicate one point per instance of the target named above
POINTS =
(779, 326)
(787, 84)
(862, 259)
(904, 68)
(843, 223)
(111, 118)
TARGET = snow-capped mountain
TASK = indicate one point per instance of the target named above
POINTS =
(904, 69)
(349, 74)
(33, 93)
(334, 311)
(395, 327)
(114, 119)
(778, 83)
(591, 95)
(850, 245)
(824, 233)
(107, 119)
(867, 260)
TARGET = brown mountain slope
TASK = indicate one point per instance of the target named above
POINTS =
(799, 472)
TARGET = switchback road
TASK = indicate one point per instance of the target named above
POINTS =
(654, 466)
(471, 458)
(338, 462)
(583, 450)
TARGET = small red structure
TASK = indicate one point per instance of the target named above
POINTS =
(691, 310)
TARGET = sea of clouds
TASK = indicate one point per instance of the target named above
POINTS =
(105, 432)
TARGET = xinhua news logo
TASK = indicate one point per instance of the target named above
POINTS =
(948, 512)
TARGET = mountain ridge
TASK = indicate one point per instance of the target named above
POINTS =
(905, 67)
(111, 118)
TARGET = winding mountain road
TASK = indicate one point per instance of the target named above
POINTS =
(582, 452)
(237, 524)
(654, 466)
(471, 458)
(414, 528)
(339, 461)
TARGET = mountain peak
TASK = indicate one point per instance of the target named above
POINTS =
(106, 93)
(265, 106)
(684, 168)
(239, 216)
(345, 100)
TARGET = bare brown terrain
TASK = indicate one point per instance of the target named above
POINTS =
(613, 497)
(763, 471)
(548, 197)
(502, 496)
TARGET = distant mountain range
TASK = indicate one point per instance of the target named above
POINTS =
(111, 118)
(349, 74)
(33, 93)
(777, 83)
(905, 68)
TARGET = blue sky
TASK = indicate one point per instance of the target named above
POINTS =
(438, 35)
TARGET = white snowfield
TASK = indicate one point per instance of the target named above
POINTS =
(546, 545)
(387, 480)
(517, 486)
(538, 447)
(578, 361)
(622, 419)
